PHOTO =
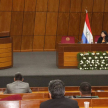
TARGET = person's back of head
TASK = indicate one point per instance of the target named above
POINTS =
(85, 89)
(18, 77)
(56, 89)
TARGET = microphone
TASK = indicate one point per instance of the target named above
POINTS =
(78, 40)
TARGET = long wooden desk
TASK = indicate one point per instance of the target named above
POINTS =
(67, 88)
(66, 54)
(6, 51)
(94, 103)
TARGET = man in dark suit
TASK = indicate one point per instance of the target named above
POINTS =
(18, 86)
(56, 92)
(85, 91)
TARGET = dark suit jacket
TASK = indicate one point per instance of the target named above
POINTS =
(100, 39)
(60, 103)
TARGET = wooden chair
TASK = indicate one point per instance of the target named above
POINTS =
(93, 93)
(95, 88)
(12, 97)
(5, 95)
(72, 94)
(72, 88)
(68, 40)
(22, 104)
(32, 103)
(27, 96)
(96, 38)
(102, 94)
(81, 102)
(32, 96)
(43, 88)
(9, 104)
(39, 88)
(34, 89)
(101, 103)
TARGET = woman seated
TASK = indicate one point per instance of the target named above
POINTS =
(103, 38)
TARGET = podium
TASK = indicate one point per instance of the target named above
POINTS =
(6, 51)
(66, 54)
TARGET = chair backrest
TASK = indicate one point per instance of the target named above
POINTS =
(39, 88)
(95, 88)
(27, 96)
(72, 94)
(9, 104)
(81, 101)
(102, 94)
(33, 96)
(96, 38)
(72, 88)
(32, 103)
(22, 103)
(12, 97)
(100, 103)
(93, 93)
(68, 40)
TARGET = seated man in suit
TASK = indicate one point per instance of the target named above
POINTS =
(85, 91)
(18, 86)
(56, 92)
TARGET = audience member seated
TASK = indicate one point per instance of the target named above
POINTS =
(56, 92)
(85, 91)
(12, 97)
(18, 86)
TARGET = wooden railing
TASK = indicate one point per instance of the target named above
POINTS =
(42, 92)
(45, 95)
(67, 88)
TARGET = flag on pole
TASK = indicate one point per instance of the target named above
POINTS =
(87, 36)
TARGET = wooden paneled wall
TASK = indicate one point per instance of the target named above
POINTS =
(37, 25)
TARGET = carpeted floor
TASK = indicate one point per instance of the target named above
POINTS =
(38, 68)
(42, 64)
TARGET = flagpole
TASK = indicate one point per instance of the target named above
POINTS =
(86, 10)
